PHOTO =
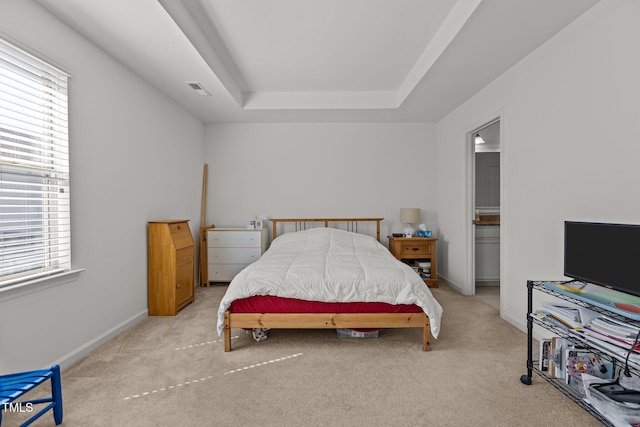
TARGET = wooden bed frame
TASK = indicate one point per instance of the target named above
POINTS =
(326, 320)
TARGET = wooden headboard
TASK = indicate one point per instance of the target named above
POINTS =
(301, 223)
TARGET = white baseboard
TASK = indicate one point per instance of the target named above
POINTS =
(488, 282)
(518, 323)
(451, 284)
(83, 351)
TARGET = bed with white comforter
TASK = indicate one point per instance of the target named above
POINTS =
(331, 265)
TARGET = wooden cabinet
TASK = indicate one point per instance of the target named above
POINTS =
(230, 250)
(412, 249)
(171, 267)
(487, 179)
(487, 253)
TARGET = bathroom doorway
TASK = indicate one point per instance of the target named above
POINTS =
(486, 222)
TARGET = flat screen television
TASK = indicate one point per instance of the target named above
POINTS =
(603, 254)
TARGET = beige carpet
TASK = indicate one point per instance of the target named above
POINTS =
(490, 295)
(172, 371)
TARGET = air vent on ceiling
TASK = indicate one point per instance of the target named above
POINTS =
(197, 87)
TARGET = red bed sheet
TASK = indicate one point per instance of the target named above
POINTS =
(273, 304)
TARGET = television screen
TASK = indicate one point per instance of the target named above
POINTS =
(603, 254)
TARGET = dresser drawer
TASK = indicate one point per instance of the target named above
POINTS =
(234, 239)
(418, 249)
(232, 255)
(223, 272)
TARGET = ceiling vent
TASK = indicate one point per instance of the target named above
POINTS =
(197, 87)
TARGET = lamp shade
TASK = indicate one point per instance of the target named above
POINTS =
(410, 215)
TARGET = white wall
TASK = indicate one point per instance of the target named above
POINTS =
(321, 169)
(570, 148)
(135, 157)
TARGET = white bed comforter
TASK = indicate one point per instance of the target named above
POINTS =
(330, 265)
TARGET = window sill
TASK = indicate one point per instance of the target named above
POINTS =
(37, 285)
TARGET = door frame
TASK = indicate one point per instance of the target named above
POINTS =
(470, 285)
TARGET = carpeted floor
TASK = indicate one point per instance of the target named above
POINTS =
(172, 371)
(490, 295)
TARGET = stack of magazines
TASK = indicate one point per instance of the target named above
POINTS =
(567, 316)
(615, 336)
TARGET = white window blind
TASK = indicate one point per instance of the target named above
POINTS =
(35, 226)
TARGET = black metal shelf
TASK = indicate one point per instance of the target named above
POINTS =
(573, 336)
(572, 394)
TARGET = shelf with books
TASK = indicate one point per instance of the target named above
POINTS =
(580, 339)
(598, 337)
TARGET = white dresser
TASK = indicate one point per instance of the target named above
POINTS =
(230, 250)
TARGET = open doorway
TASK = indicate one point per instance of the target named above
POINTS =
(486, 212)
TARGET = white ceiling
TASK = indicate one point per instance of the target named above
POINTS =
(491, 136)
(319, 60)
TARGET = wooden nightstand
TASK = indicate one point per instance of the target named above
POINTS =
(410, 249)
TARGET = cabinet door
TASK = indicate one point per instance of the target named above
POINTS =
(184, 282)
(181, 235)
(487, 253)
(487, 179)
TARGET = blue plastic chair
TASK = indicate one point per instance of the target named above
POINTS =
(14, 386)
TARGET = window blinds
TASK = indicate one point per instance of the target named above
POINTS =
(35, 226)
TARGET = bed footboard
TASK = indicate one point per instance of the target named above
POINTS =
(326, 321)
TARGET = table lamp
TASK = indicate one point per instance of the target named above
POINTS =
(409, 216)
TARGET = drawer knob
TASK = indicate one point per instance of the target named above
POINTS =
(178, 285)
(415, 249)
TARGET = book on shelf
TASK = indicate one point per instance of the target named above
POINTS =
(611, 339)
(615, 336)
(620, 352)
(545, 354)
(423, 267)
(541, 315)
(570, 316)
(583, 361)
(613, 327)
(557, 357)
